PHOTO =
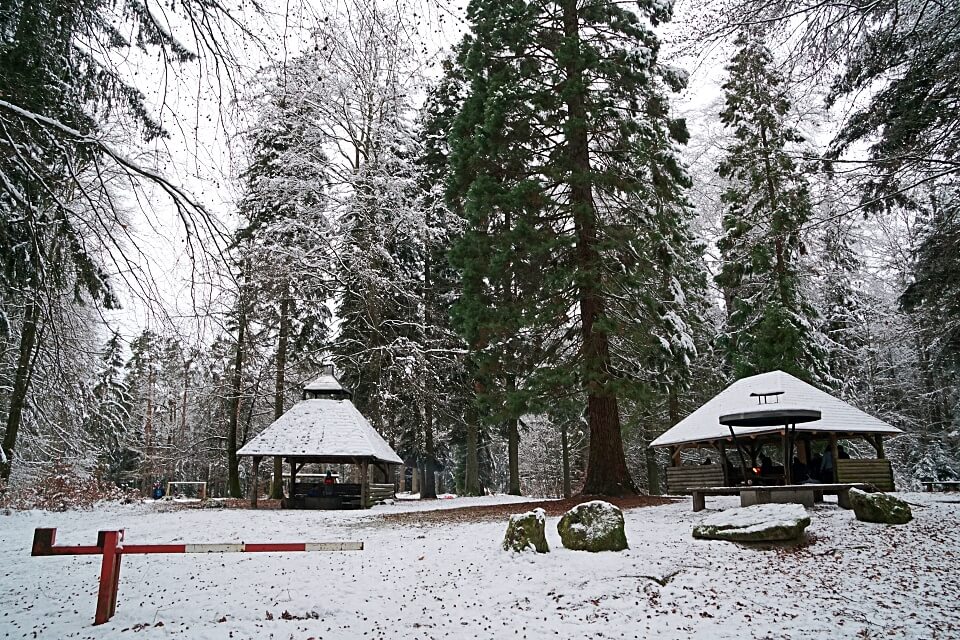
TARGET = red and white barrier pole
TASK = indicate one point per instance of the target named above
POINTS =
(110, 546)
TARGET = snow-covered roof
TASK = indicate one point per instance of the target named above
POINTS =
(321, 428)
(325, 382)
(703, 425)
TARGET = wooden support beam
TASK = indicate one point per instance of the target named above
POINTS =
(256, 481)
(276, 491)
(364, 486)
(878, 445)
(833, 455)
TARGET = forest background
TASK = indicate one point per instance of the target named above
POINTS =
(531, 235)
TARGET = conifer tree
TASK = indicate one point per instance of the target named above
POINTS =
(770, 321)
(563, 159)
(110, 419)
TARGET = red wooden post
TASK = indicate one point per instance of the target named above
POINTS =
(109, 541)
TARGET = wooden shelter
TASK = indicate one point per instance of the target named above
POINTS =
(325, 428)
(738, 445)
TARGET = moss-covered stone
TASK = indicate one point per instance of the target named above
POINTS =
(593, 526)
(879, 507)
(527, 531)
(758, 523)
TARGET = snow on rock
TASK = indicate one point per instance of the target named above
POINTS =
(757, 523)
(527, 531)
(879, 507)
(593, 526)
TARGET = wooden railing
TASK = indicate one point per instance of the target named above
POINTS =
(875, 472)
(377, 492)
(682, 479)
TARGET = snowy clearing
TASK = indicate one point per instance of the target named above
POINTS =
(452, 580)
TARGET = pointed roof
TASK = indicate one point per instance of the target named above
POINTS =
(703, 425)
(322, 428)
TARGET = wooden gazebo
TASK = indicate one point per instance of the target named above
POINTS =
(740, 446)
(327, 429)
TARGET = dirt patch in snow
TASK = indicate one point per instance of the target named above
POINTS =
(501, 511)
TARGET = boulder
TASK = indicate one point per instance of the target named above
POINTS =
(757, 523)
(879, 507)
(527, 531)
(593, 526)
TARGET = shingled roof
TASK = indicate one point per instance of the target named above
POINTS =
(703, 425)
(322, 428)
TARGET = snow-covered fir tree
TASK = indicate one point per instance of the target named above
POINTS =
(771, 323)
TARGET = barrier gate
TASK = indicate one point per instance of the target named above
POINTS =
(111, 546)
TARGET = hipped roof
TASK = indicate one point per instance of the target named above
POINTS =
(326, 382)
(329, 429)
(703, 425)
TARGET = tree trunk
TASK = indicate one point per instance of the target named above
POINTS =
(513, 455)
(276, 491)
(233, 462)
(565, 457)
(29, 347)
(429, 489)
(607, 472)
(653, 472)
(471, 480)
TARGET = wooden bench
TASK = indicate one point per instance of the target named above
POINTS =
(684, 478)
(948, 485)
(878, 473)
(805, 494)
(700, 494)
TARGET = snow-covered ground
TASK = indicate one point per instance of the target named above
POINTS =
(452, 580)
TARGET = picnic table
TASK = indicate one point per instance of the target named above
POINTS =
(805, 494)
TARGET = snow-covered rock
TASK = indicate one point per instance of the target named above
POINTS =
(879, 507)
(757, 523)
(527, 531)
(593, 526)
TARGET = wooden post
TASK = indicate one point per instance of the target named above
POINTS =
(787, 475)
(878, 445)
(364, 486)
(675, 456)
(276, 491)
(833, 454)
(256, 481)
(108, 541)
(293, 475)
(722, 448)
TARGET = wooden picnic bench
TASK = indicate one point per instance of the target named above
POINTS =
(805, 494)
(948, 485)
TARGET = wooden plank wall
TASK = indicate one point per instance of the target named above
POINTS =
(377, 492)
(876, 472)
(682, 479)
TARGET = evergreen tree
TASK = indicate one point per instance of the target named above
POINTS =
(564, 162)
(935, 290)
(110, 419)
(843, 305)
(286, 240)
(770, 321)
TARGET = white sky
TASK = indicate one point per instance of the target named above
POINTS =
(204, 150)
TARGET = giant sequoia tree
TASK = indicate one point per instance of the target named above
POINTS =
(563, 159)
(767, 201)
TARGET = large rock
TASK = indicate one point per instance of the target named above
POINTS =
(758, 523)
(593, 526)
(879, 507)
(527, 531)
